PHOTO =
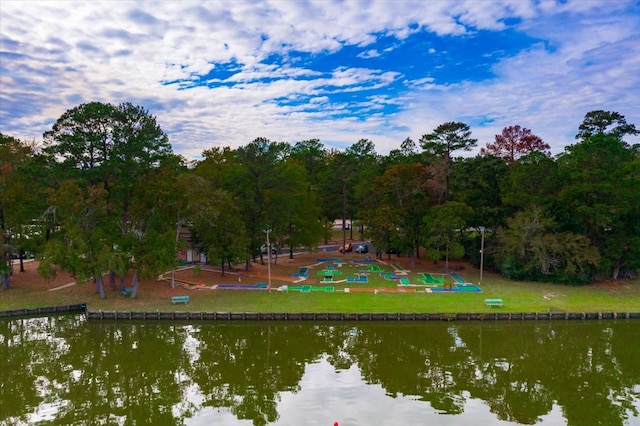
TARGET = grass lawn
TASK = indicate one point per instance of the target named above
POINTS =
(30, 291)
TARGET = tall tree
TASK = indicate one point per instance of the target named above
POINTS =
(256, 183)
(402, 196)
(600, 195)
(115, 148)
(314, 156)
(446, 139)
(84, 241)
(608, 122)
(514, 142)
(444, 224)
(364, 169)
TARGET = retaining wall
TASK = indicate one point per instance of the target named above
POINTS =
(81, 307)
(281, 316)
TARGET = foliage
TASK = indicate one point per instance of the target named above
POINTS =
(514, 142)
(117, 159)
(601, 192)
(531, 248)
(608, 122)
(446, 139)
(444, 224)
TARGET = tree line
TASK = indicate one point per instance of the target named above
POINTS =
(106, 193)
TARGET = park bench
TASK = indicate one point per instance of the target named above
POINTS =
(127, 291)
(493, 302)
(180, 299)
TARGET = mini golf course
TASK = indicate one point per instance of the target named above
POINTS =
(337, 272)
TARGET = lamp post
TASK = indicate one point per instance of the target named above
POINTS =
(268, 231)
(481, 252)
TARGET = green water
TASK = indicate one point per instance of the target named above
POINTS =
(66, 370)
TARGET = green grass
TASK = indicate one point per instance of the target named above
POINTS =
(517, 297)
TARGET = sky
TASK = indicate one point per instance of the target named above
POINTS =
(222, 73)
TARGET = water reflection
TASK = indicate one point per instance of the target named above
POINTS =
(66, 370)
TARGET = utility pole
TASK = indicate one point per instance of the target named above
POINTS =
(481, 252)
(268, 231)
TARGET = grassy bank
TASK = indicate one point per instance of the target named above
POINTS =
(29, 291)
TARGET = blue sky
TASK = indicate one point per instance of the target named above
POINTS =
(218, 73)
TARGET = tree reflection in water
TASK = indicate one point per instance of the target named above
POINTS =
(66, 370)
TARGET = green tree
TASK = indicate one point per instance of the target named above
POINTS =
(83, 244)
(216, 222)
(446, 139)
(21, 195)
(532, 180)
(608, 122)
(257, 186)
(402, 196)
(364, 169)
(115, 148)
(407, 153)
(445, 224)
(532, 247)
(600, 193)
(478, 183)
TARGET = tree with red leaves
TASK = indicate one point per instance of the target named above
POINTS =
(514, 142)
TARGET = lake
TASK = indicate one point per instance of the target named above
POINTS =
(70, 370)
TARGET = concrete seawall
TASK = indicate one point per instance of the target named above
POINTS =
(320, 316)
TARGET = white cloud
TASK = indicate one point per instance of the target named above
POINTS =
(59, 54)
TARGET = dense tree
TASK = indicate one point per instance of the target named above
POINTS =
(256, 186)
(117, 161)
(84, 243)
(533, 248)
(478, 183)
(402, 198)
(113, 149)
(444, 224)
(446, 139)
(514, 142)
(601, 193)
(365, 168)
(532, 180)
(22, 191)
(216, 222)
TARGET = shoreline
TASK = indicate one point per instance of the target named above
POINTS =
(318, 316)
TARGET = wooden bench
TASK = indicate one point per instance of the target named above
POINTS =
(180, 299)
(127, 291)
(493, 302)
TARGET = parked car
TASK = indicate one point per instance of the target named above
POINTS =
(362, 248)
(346, 248)
(274, 249)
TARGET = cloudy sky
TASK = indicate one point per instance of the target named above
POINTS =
(218, 73)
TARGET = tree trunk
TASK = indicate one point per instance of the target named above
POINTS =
(135, 282)
(100, 285)
(112, 280)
